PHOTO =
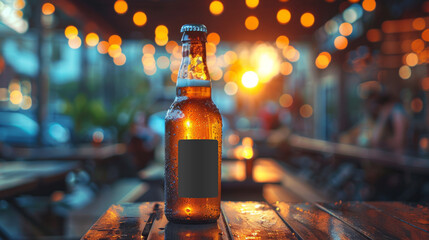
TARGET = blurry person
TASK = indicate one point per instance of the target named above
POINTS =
(390, 128)
(143, 141)
(361, 134)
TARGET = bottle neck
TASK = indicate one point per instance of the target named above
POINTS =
(193, 78)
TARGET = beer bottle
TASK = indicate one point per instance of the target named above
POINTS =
(193, 138)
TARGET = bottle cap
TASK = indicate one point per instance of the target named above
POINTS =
(193, 28)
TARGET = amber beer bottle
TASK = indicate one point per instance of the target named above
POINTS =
(193, 138)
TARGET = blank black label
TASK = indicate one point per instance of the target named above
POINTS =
(198, 168)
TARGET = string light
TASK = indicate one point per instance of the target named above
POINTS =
(251, 23)
(216, 7)
(283, 16)
(120, 6)
(139, 19)
(307, 19)
(252, 3)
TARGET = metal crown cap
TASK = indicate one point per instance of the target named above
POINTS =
(193, 28)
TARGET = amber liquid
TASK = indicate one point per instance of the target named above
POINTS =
(193, 115)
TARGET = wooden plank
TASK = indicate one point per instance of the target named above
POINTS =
(254, 220)
(416, 215)
(309, 222)
(124, 221)
(372, 222)
(162, 229)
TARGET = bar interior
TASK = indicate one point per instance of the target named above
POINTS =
(317, 109)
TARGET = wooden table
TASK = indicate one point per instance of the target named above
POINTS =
(259, 220)
(17, 178)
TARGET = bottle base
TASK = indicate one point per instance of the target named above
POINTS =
(190, 221)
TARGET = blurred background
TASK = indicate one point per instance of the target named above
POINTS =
(321, 100)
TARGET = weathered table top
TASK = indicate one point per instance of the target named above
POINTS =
(20, 177)
(259, 220)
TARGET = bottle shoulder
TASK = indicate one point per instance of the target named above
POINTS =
(186, 107)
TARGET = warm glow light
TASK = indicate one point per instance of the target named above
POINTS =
(373, 35)
(247, 152)
(283, 16)
(416, 105)
(425, 84)
(250, 79)
(177, 51)
(230, 76)
(161, 41)
(424, 143)
(26, 103)
(405, 72)
(291, 54)
(216, 74)
(411, 59)
(161, 31)
(369, 5)
(115, 39)
(148, 49)
(211, 49)
(114, 50)
(307, 19)
(150, 71)
(251, 23)
(233, 139)
(174, 76)
(48, 8)
(306, 111)
(247, 142)
(230, 88)
(417, 45)
(419, 24)
(139, 18)
(75, 42)
(19, 4)
(323, 60)
(163, 62)
(15, 97)
(120, 60)
(346, 29)
(92, 39)
(216, 7)
(252, 3)
(286, 100)
(213, 38)
(340, 42)
(230, 57)
(286, 68)
(70, 32)
(169, 47)
(98, 136)
(120, 6)
(282, 41)
(102, 47)
(425, 35)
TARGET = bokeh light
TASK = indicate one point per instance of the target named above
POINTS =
(411, 59)
(75, 42)
(48, 8)
(286, 100)
(230, 57)
(161, 41)
(250, 79)
(120, 60)
(282, 41)
(306, 111)
(115, 39)
(231, 88)
(91, 39)
(114, 50)
(26, 103)
(163, 62)
(252, 3)
(70, 32)
(340, 42)
(15, 97)
(373, 35)
(416, 105)
(405, 72)
(102, 47)
(419, 24)
(323, 60)
(161, 31)
(251, 23)
(283, 16)
(148, 49)
(216, 7)
(369, 5)
(307, 19)
(230, 76)
(425, 35)
(139, 18)
(417, 45)
(169, 47)
(213, 38)
(286, 68)
(120, 6)
(291, 54)
(346, 29)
